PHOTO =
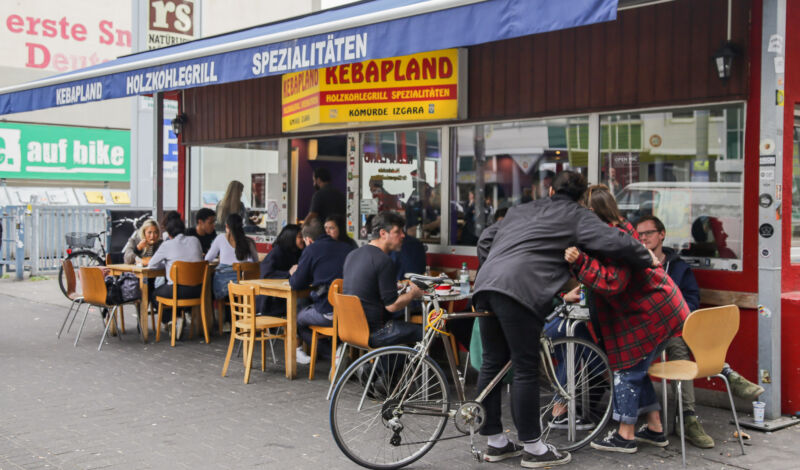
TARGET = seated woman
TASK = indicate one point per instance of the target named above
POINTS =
(233, 246)
(143, 243)
(335, 228)
(178, 247)
(285, 253)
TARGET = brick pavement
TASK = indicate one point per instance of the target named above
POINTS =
(151, 406)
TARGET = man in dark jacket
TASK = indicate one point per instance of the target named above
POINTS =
(652, 233)
(522, 268)
(322, 261)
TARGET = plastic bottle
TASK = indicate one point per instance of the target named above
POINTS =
(427, 270)
(463, 278)
(582, 302)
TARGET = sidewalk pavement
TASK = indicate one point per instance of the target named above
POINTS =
(133, 405)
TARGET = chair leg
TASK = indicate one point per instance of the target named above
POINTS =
(122, 318)
(64, 323)
(733, 410)
(158, 322)
(263, 355)
(251, 343)
(116, 323)
(680, 417)
(230, 351)
(83, 322)
(333, 357)
(80, 303)
(111, 318)
(336, 370)
(664, 392)
(272, 346)
(313, 355)
(204, 314)
(174, 324)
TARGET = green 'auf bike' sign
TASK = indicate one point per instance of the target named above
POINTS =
(32, 151)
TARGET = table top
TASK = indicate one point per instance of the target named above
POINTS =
(132, 268)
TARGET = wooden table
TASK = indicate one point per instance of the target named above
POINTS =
(143, 273)
(280, 288)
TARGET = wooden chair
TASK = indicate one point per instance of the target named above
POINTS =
(185, 273)
(249, 328)
(708, 332)
(316, 331)
(246, 270)
(76, 299)
(93, 285)
(351, 326)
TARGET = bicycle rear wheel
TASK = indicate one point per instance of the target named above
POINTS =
(368, 422)
(589, 409)
(79, 258)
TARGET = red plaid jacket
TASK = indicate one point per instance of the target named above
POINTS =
(637, 310)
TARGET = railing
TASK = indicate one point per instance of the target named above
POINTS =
(33, 236)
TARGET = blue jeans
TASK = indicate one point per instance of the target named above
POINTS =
(222, 276)
(310, 316)
(396, 332)
(634, 394)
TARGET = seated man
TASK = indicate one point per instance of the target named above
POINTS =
(652, 233)
(204, 228)
(321, 262)
(369, 274)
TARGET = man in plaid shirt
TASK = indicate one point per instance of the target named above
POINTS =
(638, 310)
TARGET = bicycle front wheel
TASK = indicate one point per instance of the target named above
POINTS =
(582, 369)
(389, 408)
(79, 259)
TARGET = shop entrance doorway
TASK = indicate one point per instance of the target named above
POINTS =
(318, 152)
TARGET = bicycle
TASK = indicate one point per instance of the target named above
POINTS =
(391, 406)
(81, 251)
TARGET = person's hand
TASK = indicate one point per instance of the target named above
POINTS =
(142, 245)
(414, 290)
(292, 270)
(573, 296)
(656, 263)
(571, 254)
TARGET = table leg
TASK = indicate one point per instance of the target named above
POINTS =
(291, 336)
(143, 307)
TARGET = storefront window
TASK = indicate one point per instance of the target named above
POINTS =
(256, 166)
(401, 171)
(686, 168)
(499, 165)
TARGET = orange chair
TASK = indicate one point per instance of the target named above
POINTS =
(93, 285)
(76, 299)
(316, 331)
(708, 332)
(351, 326)
(249, 328)
(185, 273)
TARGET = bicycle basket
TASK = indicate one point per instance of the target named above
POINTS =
(80, 239)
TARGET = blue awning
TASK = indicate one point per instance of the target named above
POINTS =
(358, 32)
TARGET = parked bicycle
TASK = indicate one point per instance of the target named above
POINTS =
(82, 252)
(391, 406)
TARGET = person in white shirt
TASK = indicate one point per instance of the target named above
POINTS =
(233, 246)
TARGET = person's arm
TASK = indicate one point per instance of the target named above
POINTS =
(595, 236)
(600, 278)
(387, 283)
(269, 266)
(313, 210)
(159, 259)
(129, 253)
(303, 276)
(213, 252)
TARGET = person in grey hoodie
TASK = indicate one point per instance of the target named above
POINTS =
(522, 268)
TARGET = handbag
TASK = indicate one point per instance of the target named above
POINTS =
(113, 291)
(129, 287)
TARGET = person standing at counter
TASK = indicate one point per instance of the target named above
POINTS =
(327, 200)
(231, 203)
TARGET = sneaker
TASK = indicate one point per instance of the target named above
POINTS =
(743, 388)
(658, 439)
(302, 357)
(613, 442)
(561, 422)
(695, 434)
(550, 458)
(496, 454)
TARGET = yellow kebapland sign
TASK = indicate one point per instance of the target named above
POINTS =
(429, 86)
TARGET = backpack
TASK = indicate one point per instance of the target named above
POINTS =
(129, 287)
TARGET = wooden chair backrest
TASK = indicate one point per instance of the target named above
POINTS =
(188, 273)
(243, 303)
(708, 332)
(348, 313)
(93, 285)
(247, 270)
(69, 275)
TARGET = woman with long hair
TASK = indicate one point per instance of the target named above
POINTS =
(231, 203)
(233, 246)
(637, 311)
(335, 228)
(143, 243)
(285, 253)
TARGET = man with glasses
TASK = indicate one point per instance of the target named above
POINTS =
(652, 233)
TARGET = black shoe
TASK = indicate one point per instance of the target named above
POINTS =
(613, 442)
(561, 422)
(550, 458)
(658, 439)
(496, 454)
